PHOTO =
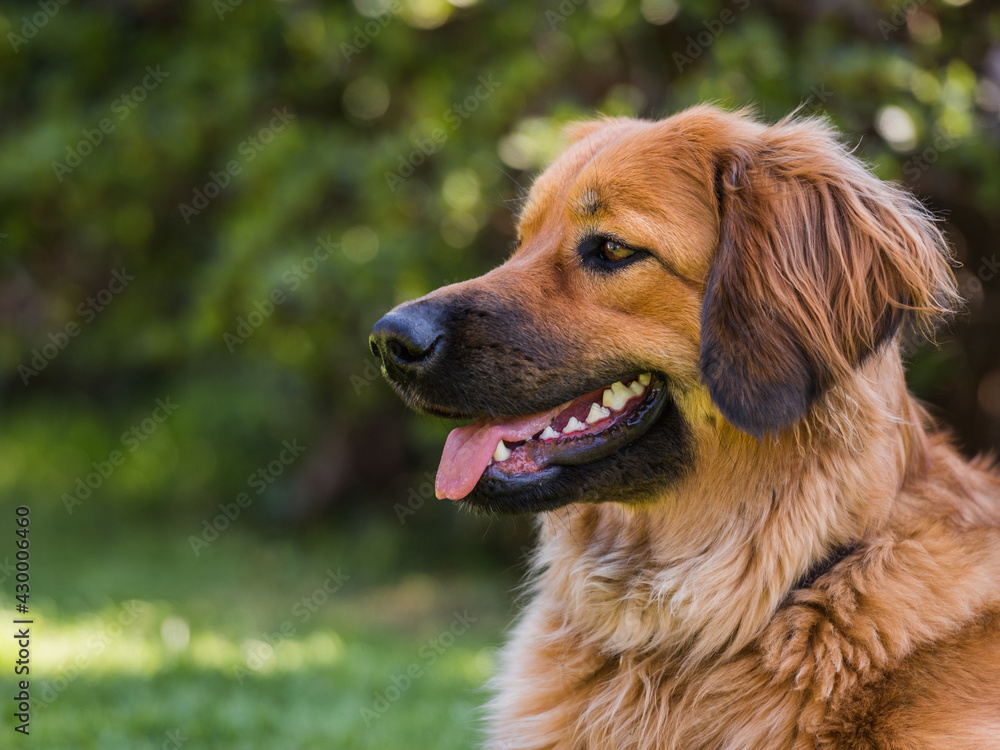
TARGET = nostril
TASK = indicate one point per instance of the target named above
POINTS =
(405, 338)
(409, 352)
(399, 352)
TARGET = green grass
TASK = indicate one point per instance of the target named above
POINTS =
(137, 641)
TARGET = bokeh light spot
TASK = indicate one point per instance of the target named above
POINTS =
(360, 244)
(366, 98)
(896, 126)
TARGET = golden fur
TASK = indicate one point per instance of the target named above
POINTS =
(675, 622)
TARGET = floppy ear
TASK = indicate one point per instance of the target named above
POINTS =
(818, 264)
(577, 131)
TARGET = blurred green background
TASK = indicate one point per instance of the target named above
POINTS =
(204, 206)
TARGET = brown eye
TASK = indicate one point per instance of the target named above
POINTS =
(614, 252)
(603, 254)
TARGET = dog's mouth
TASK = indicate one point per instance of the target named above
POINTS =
(581, 431)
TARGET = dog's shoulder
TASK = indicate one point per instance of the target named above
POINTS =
(944, 696)
(898, 646)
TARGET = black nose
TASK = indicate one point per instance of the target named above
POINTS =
(406, 338)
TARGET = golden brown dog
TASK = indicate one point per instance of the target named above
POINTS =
(751, 535)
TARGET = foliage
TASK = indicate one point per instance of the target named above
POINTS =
(215, 203)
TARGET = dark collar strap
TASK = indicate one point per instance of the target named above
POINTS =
(825, 565)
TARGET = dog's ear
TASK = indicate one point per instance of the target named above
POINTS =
(577, 131)
(818, 264)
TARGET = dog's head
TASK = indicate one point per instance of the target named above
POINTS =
(701, 269)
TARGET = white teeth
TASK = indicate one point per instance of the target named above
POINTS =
(645, 378)
(548, 434)
(597, 413)
(637, 388)
(574, 425)
(616, 396)
(502, 453)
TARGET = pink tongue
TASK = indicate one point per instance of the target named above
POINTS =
(468, 450)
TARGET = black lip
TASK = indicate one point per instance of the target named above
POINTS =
(651, 461)
(574, 451)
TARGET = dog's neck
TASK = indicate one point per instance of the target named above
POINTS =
(701, 570)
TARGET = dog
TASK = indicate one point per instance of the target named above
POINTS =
(751, 536)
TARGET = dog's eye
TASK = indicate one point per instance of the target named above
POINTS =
(615, 252)
(603, 254)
